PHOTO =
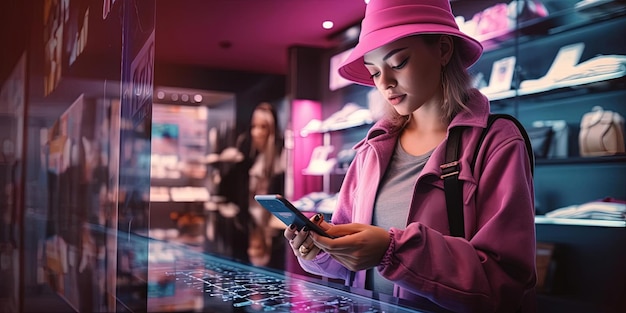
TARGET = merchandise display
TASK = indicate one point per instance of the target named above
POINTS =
(501, 19)
(350, 115)
(164, 166)
(501, 76)
(558, 146)
(565, 60)
(159, 194)
(567, 63)
(320, 163)
(310, 201)
(541, 139)
(345, 157)
(606, 209)
(319, 202)
(313, 126)
(597, 69)
(601, 133)
(565, 71)
(189, 193)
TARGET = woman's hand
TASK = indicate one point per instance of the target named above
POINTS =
(301, 242)
(357, 247)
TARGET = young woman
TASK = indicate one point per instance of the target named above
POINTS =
(391, 214)
(266, 174)
(262, 170)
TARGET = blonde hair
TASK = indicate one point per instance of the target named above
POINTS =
(457, 84)
(271, 148)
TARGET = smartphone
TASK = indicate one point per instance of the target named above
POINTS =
(288, 213)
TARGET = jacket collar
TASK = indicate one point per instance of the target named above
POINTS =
(477, 114)
(382, 136)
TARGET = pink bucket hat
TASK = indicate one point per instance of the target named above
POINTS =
(388, 20)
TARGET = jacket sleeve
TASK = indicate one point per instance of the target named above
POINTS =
(324, 264)
(491, 269)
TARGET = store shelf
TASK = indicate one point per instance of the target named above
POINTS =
(543, 220)
(564, 90)
(335, 128)
(582, 160)
(555, 22)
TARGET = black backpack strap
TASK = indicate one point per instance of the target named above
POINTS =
(450, 170)
(492, 118)
(451, 184)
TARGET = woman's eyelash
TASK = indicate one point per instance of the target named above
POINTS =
(401, 65)
(397, 67)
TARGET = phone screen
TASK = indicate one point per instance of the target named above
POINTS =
(288, 213)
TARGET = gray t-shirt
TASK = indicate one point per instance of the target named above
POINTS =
(392, 202)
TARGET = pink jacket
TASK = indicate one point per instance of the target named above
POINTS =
(492, 269)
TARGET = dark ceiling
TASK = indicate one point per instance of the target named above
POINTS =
(238, 35)
(247, 35)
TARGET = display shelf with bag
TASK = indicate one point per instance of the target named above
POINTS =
(568, 89)
(575, 61)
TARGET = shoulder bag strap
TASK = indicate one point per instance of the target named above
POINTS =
(451, 184)
(450, 170)
(490, 120)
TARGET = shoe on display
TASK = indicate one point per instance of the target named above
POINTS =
(596, 69)
(354, 119)
(566, 59)
(350, 115)
(340, 116)
(320, 163)
(313, 126)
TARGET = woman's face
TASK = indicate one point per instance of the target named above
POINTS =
(260, 129)
(407, 72)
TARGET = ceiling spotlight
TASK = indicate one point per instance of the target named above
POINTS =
(328, 24)
(160, 95)
(197, 98)
(174, 97)
(184, 97)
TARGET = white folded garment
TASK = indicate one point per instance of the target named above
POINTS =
(592, 210)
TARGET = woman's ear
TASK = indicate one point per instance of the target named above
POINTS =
(446, 48)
